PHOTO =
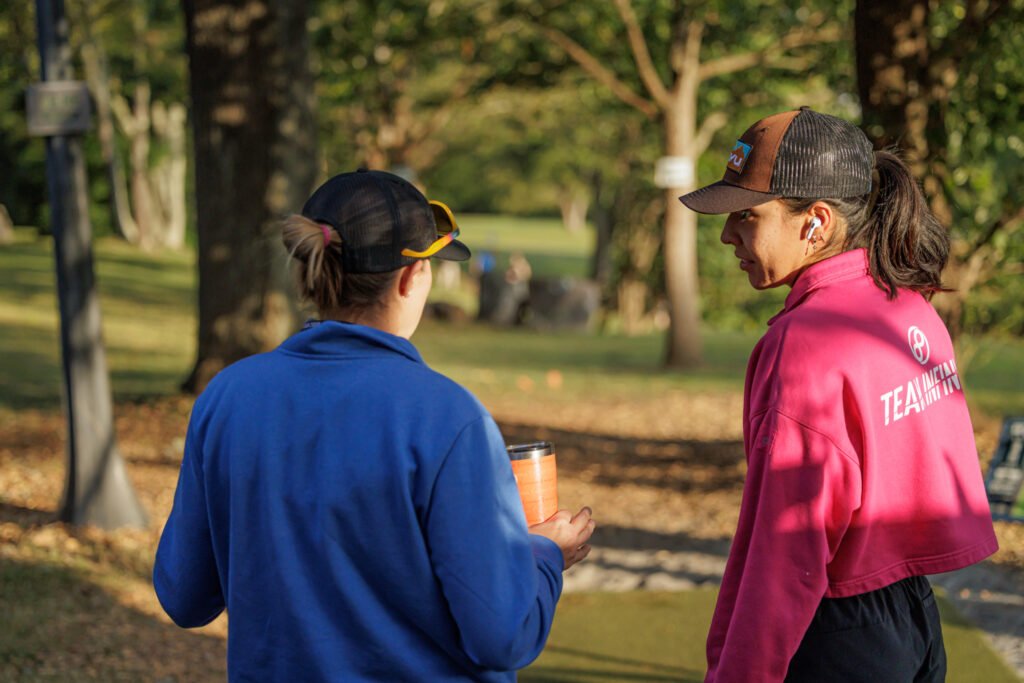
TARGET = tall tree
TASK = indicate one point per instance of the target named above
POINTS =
(669, 63)
(255, 158)
(941, 81)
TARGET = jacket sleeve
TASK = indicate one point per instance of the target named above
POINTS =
(185, 571)
(501, 583)
(800, 494)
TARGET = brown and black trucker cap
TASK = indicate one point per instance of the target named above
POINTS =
(799, 153)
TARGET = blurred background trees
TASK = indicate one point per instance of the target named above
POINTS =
(941, 81)
(527, 108)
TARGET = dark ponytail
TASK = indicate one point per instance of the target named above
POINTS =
(321, 279)
(907, 246)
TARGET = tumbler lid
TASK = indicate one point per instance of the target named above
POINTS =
(524, 451)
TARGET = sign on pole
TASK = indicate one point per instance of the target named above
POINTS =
(58, 108)
(96, 485)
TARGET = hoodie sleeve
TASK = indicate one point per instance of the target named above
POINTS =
(501, 582)
(185, 571)
(800, 494)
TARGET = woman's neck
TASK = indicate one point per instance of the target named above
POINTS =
(378, 319)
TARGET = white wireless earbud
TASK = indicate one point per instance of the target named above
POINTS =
(815, 224)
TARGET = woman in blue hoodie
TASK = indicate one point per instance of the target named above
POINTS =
(353, 510)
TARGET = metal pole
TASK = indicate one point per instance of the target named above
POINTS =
(96, 489)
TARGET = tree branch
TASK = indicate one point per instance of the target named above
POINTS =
(591, 65)
(442, 114)
(122, 113)
(641, 55)
(685, 51)
(711, 124)
(772, 55)
(1005, 222)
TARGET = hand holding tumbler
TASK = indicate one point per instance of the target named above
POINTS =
(533, 465)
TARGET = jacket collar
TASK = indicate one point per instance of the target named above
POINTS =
(850, 265)
(335, 339)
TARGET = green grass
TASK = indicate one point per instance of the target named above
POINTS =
(148, 303)
(149, 329)
(660, 637)
(626, 637)
(550, 248)
(994, 374)
(490, 361)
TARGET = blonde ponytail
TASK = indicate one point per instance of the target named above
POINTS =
(321, 278)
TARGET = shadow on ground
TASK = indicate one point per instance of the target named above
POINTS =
(679, 465)
(61, 625)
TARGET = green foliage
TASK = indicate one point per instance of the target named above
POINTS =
(517, 149)
(984, 158)
(472, 97)
(22, 159)
(142, 39)
(387, 74)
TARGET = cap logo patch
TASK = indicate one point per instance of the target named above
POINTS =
(738, 157)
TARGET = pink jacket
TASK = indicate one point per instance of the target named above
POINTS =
(862, 467)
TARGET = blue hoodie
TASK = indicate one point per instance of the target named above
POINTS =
(356, 514)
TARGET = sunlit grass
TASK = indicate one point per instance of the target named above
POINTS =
(660, 637)
(550, 249)
(148, 307)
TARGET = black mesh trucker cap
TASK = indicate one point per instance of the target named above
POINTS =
(793, 154)
(378, 215)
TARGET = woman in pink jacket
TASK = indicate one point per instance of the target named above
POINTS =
(863, 474)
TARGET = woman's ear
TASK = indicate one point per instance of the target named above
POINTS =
(820, 222)
(406, 279)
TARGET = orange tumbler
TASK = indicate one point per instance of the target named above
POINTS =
(533, 465)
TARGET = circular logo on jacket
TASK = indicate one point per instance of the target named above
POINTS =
(918, 344)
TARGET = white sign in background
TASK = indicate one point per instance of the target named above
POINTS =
(674, 172)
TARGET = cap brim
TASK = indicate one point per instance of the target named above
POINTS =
(721, 197)
(453, 251)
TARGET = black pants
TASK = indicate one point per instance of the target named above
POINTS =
(891, 635)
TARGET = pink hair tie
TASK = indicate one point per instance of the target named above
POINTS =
(327, 234)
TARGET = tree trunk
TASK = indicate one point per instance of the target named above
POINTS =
(604, 223)
(904, 89)
(255, 161)
(573, 206)
(892, 74)
(142, 197)
(633, 294)
(6, 226)
(98, 79)
(167, 177)
(681, 283)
